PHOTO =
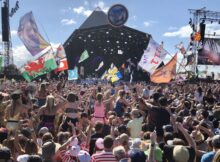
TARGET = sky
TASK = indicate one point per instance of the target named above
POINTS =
(165, 20)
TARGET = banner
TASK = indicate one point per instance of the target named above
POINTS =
(60, 57)
(152, 57)
(60, 53)
(40, 66)
(30, 36)
(73, 74)
(210, 53)
(63, 65)
(84, 56)
(166, 73)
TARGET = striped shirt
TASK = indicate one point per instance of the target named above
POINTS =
(103, 157)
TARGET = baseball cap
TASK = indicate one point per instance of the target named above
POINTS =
(99, 143)
(84, 156)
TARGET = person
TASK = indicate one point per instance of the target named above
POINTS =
(47, 113)
(121, 104)
(120, 154)
(199, 95)
(106, 155)
(42, 95)
(207, 157)
(16, 110)
(135, 125)
(71, 111)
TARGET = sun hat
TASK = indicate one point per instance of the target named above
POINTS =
(180, 154)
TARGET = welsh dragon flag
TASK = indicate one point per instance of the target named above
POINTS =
(43, 65)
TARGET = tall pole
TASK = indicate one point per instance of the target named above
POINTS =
(6, 35)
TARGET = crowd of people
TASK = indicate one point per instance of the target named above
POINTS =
(62, 121)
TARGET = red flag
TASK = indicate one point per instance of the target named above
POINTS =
(166, 73)
(63, 65)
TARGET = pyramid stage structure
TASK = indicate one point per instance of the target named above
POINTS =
(106, 44)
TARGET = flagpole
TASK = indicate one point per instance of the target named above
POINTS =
(45, 33)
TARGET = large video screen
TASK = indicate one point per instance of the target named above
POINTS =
(210, 53)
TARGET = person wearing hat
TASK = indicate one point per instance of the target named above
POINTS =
(16, 110)
(106, 155)
(83, 156)
(99, 146)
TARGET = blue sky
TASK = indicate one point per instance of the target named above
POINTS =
(165, 20)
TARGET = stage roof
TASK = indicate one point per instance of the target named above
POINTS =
(104, 43)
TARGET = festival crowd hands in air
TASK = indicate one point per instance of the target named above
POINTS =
(58, 121)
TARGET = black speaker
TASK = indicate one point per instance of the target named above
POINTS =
(5, 24)
(202, 31)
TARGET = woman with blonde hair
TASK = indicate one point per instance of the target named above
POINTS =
(47, 113)
(42, 94)
(216, 157)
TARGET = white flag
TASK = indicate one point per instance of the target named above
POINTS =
(152, 57)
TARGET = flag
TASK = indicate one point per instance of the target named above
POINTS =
(152, 57)
(30, 36)
(60, 53)
(1, 63)
(181, 48)
(73, 74)
(116, 77)
(104, 75)
(100, 66)
(40, 66)
(197, 36)
(84, 56)
(112, 74)
(63, 65)
(166, 73)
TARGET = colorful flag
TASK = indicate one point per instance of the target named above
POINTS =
(60, 53)
(152, 57)
(63, 65)
(1, 63)
(30, 36)
(73, 74)
(197, 36)
(166, 73)
(181, 48)
(84, 56)
(40, 66)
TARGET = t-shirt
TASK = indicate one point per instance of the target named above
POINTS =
(158, 117)
(103, 157)
(168, 153)
(208, 157)
(135, 127)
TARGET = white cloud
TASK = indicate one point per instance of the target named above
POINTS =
(185, 31)
(86, 3)
(82, 11)
(182, 32)
(13, 33)
(149, 23)
(102, 5)
(21, 55)
(68, 21)
(172, 28)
